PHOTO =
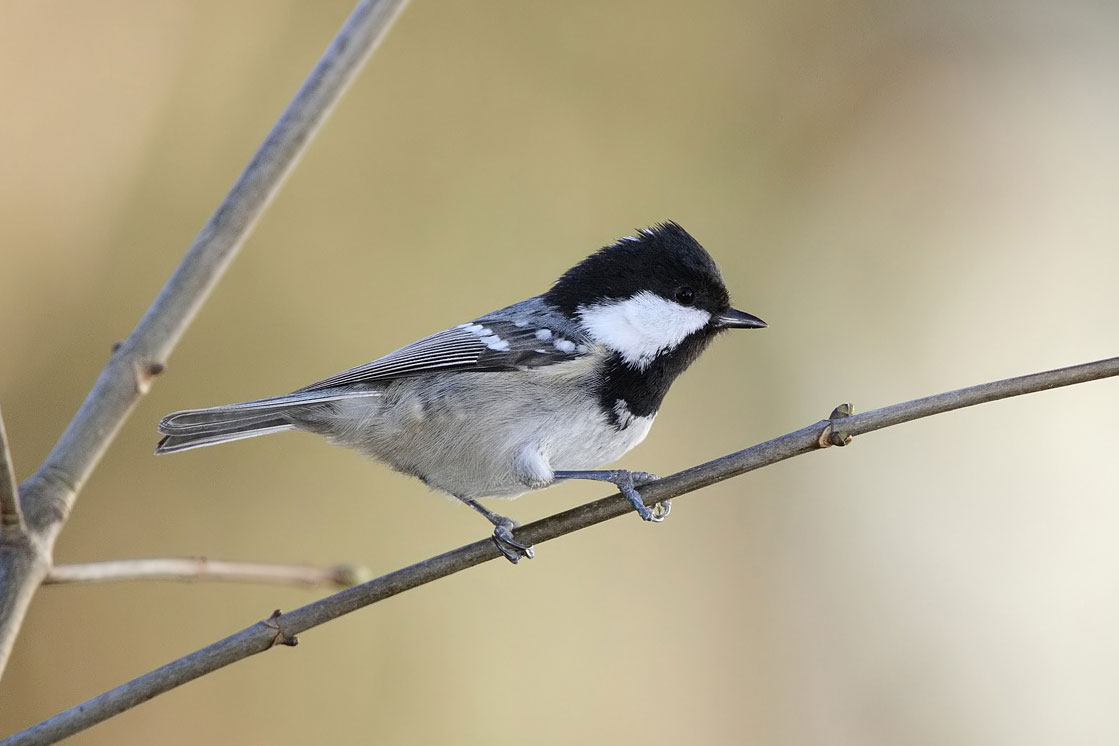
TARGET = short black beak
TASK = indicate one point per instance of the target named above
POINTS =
(733, 319)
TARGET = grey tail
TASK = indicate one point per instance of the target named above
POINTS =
(195, 428)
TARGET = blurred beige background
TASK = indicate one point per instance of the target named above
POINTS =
(916, 196)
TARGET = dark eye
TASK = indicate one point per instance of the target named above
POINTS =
(685, 296)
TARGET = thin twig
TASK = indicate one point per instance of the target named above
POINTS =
(49, 494)
(283, 628)
(201, 568)
(11, 515)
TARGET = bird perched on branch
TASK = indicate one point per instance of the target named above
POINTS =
(547, 389)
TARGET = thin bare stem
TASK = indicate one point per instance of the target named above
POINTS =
(283, 628)
(11, 515)
(49, 494)
(201, 568)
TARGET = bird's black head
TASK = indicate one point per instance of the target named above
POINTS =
(654, 300)
(664, 260)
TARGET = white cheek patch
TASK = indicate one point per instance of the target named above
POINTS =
(640, 327)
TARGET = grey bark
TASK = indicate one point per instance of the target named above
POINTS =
(202, 568)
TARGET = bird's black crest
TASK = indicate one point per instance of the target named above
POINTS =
(660, 259)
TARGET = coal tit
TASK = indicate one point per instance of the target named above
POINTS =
(547, 389)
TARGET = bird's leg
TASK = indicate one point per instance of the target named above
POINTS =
(503, 533)
(627, 482)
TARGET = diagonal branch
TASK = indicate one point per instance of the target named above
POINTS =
(201, 568)
(11, 515)
(49, 494)
(144, 353)
(283, 628)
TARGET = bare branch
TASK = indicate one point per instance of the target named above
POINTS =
(49, 494)
(143, 355)
(201, 568)
(283, 628)
(11, 515)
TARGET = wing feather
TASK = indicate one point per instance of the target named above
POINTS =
(491, 343)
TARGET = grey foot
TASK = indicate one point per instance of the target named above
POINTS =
(512, 549)
(627, 483)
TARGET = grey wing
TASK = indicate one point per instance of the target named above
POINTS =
(521, 337)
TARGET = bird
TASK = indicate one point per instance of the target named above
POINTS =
(548, 389)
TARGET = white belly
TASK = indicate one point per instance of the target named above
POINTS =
(468, 436)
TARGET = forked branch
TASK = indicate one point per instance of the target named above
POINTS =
(49, 494)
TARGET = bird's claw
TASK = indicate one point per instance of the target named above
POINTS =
(628, 485)
(512, 549)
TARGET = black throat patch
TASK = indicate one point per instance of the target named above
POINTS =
(644, 390)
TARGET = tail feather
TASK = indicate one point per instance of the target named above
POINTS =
(176, 443)
(195, 428)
